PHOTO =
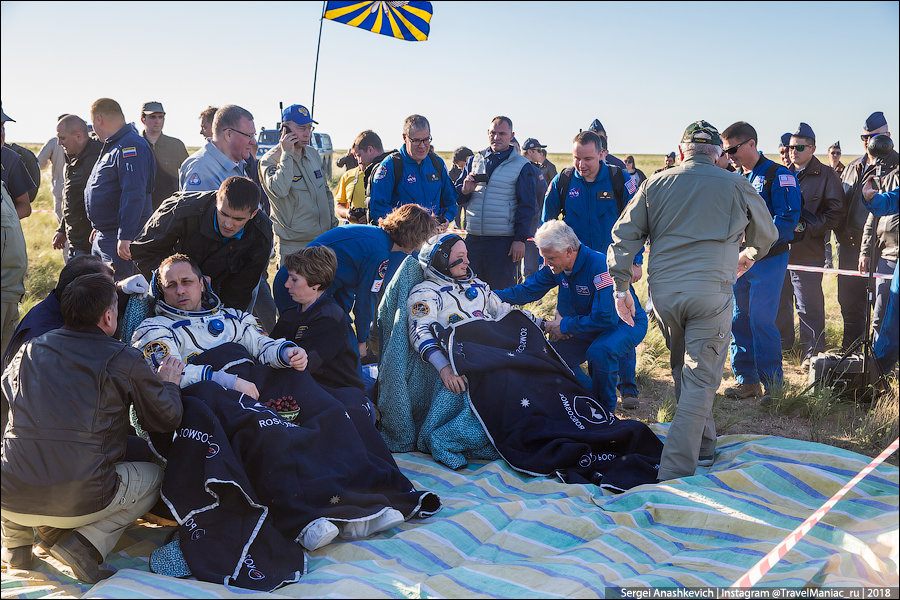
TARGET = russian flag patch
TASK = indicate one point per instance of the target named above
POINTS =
(129, 152)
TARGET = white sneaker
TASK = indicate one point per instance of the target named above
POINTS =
(355, 530)
(320, 532)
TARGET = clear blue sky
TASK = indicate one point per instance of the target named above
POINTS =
(644, 69)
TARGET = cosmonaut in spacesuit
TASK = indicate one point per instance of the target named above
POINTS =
(450, 293)
(190, 319)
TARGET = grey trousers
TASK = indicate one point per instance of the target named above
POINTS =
(137, 493)
(697, 328)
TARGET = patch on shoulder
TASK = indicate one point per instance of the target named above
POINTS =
(271, 170)
(194, 180)
(419, 309)
(156, 351)
(190, 357)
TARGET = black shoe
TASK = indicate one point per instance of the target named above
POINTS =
(79, 555)
(17, 558)
(49, 535)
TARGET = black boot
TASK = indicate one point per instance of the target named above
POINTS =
(74, 551)
(49, 535)
(17, 558)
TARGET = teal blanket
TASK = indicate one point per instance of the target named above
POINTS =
(417, 411)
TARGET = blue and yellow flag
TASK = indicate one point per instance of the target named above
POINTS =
(403, 20)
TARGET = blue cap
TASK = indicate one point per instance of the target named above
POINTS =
(875, 121)
(531, 144)
(596, 125)
(806, 131)
(297, 114)
(785, 140)
(671, 155)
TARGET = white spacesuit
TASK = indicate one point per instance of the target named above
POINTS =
(186, 334)
(443, 300)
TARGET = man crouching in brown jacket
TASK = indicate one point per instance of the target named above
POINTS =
(63, 463)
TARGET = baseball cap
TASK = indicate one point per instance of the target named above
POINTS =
(531, 144)
(152, 107)
(671, 155)
(6, 117)
(298, 114)
(806, 131)
(875, 120)
(596, 125)
(701, 132)
(785, 140)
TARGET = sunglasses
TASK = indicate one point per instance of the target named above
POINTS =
(865, 137)
(835, 153)
(733, 149)
(799, 147)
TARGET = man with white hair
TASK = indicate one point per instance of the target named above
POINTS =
(696, 214)
(586, 327)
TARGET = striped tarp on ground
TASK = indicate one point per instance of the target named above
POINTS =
(505, 535)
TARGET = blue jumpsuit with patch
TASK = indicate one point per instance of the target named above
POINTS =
(588, 311)
(419, 184)
(591, 211)
(756, 342)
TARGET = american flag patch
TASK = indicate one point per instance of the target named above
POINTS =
(129, 152)
(630, 185)
(787, 181)
(602, 280)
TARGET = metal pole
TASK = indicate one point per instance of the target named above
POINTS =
(312, 106)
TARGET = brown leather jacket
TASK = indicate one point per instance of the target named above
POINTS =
(823, 199)
(69, 393)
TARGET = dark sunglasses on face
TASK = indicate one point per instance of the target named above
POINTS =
(835, 153)
(733, 149)
(799, 147)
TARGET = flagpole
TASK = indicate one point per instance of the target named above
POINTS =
(312, 107)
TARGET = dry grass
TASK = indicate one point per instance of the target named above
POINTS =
(818, 415)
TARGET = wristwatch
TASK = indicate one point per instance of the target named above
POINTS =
(619, 294)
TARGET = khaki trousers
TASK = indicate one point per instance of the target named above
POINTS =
(697, 328)
(138, 491)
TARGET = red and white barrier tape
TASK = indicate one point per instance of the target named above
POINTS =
(839, 271)
(752, 577)
(43, 211)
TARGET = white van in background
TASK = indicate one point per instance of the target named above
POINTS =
(268, 139)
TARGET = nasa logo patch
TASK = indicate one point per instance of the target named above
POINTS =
(574, 193)
(410, 178)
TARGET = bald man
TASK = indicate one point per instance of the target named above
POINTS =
(82, 152)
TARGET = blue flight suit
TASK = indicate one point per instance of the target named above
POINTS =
(591, 211)
(364, 259)
(419, 184)
(588, 311)
(756, 343)
(117, 196)
(887, 344)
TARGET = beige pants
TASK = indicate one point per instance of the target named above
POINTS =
(137, 493)
(697, 328)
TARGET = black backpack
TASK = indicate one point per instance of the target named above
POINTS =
(398, 171)
(615, 175)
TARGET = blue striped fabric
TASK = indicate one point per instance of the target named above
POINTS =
(505, 535)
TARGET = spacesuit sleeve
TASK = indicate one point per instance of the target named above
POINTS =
(157, 341)
(422, 308)
(266, 350)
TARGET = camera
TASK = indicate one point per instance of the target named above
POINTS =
(480, 177)
(358, 214)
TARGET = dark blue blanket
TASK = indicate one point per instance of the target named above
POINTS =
(251, 482)
(537, 415)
